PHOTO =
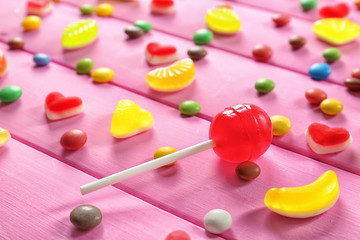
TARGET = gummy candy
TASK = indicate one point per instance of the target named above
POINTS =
(223, 20)
(79, 34)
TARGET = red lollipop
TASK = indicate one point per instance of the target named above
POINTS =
(242, 132)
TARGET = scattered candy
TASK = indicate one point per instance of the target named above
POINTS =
(31, 23)
(319, 71)
(173, 78)
(247, 170)
(331, 54)
(130, 119)
(102, 75)
(202, 36)
(331, 106)
(341, 10)
(73, 139)
(4, 137)
(262, 53)
(104, 10)
(197, 53)
(79, 34)
(39, 7)
(337, 31)
(10, 94)
(352, 83)
(223, 20)
(264, 85)
(84, 66)
(315, 95)
(3, 64)
(163, 151)
(85, 217)
(280, 19)
(86, 9)
(134, 31)
(281, 125)
(162, 6)
(189, 108)
(357, 4)
(16, 43)
(305, 201)
(297, 42)
(356, 73)
(144, 25)
(308, 4)
(59, 107)
(41, 59)
(159, 54)
(217, 221)
(178, 235)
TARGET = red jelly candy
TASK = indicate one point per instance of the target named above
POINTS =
(73, 139)
(38, 3)
(262, 53)
(241, 133)
(58, 107)
(3, 64)
(327, 136)
(162, 3)
(340, 10)
(156, 49)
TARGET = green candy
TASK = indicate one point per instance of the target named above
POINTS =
(331, 54)
(189, 108)
(10, 94)
(144, 25)
(86, 9)
(202, 36)
(264, 85)
(84, 66)
(308, 4)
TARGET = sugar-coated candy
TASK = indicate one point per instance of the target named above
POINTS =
(79, 34)
(280, 19)
(86, 9)
(340, 10)
(73, 139)
(247, 170)
(223, 20)
(297, 41)
(308, 4)
(315, 95)
(162, 6)
(264, 85)
(178, 235)
(39, 7)
(217, 221)
(357, 4)
(356, 73)
(189, 107)
(173, 78)
(331, 54)
(144, 25)
(57, 106)
(10, 94)
(85, 217)
(84, 66)
(163, 151)
(134, 31)
(323, 139)
(156, 53)
(305, 201)
(352, 83)
(262, 53)
(3, 64)
(197, 53)
(331, 106)
(41, 59)
(16, 43)
(130, 119)
(202, 36)
(104, 10)
(230, 130)
(319, 71)
(102, 75)
(31, 23)
(5, 136)
(281, 125)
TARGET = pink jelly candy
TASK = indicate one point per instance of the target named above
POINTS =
(241, 133)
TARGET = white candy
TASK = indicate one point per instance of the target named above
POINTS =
(217, 221)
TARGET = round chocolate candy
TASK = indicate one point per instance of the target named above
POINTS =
(315, 95)
(189, 108)
(86, 9)
(144, 25)
(308, 4)
(352, 83)
(319, 71)
(248, 170)
(202, 36)
(41, 59)
(356, 73)
(85, 217)
(357, 4)
(262, 53)
(84, 66)
(217, 221)
(178, 235)
(297, 41)
(73, 139)
(16, 43)
(280, 19)
(331, 54)
(264, 85)
(331, 106)
(163, 151)
(134, 31)
(10, 94)
(197, 53)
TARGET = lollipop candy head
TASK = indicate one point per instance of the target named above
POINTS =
(242, 132)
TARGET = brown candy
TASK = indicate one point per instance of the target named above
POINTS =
(85, 217)
(16, 43)
(356, 73)
(134, 31)
(352, 83)
(197, 53)
(73, 139)
(297, 42)
(248, 170)
(280, 20)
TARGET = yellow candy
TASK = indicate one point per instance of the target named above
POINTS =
(4, 137)
(305, 201)
(281, 125)
(177, 76)
(331, 106)
(223, 20)
(130, 119)
(163, 151)
(336, 31)
(104, 10)
(79, 34)
(31, 23)
(102, 75)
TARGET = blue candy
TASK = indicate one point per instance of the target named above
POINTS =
(41, 59)
(319, 71)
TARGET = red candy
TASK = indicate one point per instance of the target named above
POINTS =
(178, 235)
(241, 133)
(340, 10)
(280, 20)
(58, 107)
(315, 95)
(355, 73)
(159, 50)
(357, 4)
(262, 53)
(38, 3)
(73, 139)
(162, 3)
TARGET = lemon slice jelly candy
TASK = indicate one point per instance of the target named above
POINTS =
(223, 20)
(130, 119)
(79, 34)
(175, 77)
(4, 137)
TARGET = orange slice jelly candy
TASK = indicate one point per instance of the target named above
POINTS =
(173, 78)
(3, 64)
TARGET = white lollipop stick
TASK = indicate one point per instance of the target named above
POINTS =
(156, 163)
